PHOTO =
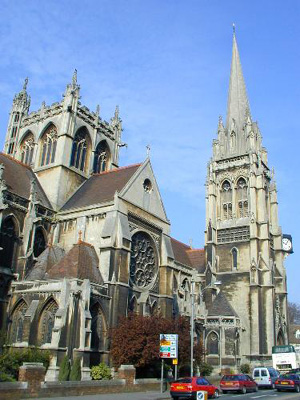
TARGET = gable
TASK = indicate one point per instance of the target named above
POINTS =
(142, 190)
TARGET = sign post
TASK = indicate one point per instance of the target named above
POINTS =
(168, 348)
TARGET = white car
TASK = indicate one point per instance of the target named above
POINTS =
(265, 376)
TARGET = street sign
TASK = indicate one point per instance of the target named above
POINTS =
(174, 361)
(202, 395)
(168, 346)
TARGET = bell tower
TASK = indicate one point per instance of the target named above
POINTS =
(242, 237)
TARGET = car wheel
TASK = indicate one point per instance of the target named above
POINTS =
(297, 388)
(217, 394)
(278, 390)
(224, 391)
(244, 390)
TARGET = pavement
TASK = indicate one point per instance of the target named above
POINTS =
(153, 395)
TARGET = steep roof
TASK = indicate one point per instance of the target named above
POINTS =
(80, 262)
(221, 306)
(18, 177)
(100, 188)
(183, 254)
(49, 257)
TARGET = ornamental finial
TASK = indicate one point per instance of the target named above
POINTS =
(25, 84)
(74, 78)
(148, 150)
(233, 28)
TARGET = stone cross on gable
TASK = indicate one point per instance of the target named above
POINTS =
(148, 150)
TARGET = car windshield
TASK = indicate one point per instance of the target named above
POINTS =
(231, 378)
(184, 380)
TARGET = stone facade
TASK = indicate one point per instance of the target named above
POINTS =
(84, 241)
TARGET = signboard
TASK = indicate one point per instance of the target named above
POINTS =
(168, 346)
(202, 395)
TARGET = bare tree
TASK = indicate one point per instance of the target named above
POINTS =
(294, 313)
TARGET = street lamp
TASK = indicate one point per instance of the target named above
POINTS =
(210, 285)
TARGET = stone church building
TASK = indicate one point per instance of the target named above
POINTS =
(84, 241)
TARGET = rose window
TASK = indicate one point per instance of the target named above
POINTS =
(143, 261)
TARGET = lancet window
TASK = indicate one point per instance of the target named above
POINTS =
(98, 326)
(242, 198)
(79, 150)
(39, 242)
(101, 158)
(47, 322)
(234, 255)
(49, 143)
(8, 243)
(226, 200)
(27, 148)
(17, 329)
(212, 343)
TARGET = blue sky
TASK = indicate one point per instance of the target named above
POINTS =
(166, 64)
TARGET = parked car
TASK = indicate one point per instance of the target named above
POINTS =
(288, 382)
(238, 383)
(265, 376)
(188, 387)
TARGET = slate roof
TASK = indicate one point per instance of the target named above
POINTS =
(80, 262)
(100, 188)
(183, 254)
(18, 176)
(50, 256)
(221, 306)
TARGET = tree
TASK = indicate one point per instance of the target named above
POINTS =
(75, 374)
(294, 313)
(136, 340)
(64, 370)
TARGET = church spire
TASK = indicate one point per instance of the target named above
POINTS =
(238, 105)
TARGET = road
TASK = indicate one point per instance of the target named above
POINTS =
(260, 395)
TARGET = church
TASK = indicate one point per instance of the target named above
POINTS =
(84, 241)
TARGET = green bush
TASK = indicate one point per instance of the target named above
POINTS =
(11, 360)
(245, 368)
(205, 369)
(6, 378)
(64, 369)
(75, 374)
(101, 371)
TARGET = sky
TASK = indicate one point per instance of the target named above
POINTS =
(166, 63)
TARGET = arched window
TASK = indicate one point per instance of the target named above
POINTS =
(98, 326)
(17, 327)
(212, 343)
(49, 142)
(234, 255)
(8, 243)
(39, 242)
(47, 320)
(242, 198)
(27, 147)
(226, 200)
(101, 158)
(133, 306)
(79, 150)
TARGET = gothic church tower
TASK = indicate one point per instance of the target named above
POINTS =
(243, 239)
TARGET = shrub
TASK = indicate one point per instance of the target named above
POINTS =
(75, 374)
(205, 369)
(6, 378)
(64, 370)
(13, 359)
(245, 368)
(101, 371)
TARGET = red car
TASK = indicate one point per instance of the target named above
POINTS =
(238, 383)
(288, 382)
(188, 388)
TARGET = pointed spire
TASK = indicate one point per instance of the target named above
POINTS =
(74, 78)
(25, 84)
(238, 106)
